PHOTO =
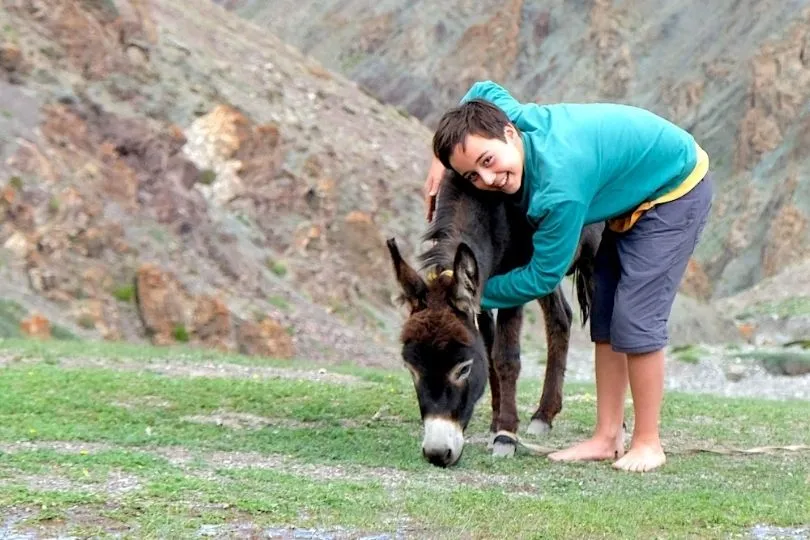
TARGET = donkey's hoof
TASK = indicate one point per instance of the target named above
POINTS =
(538, 428)
(503, 446)
(503, 450)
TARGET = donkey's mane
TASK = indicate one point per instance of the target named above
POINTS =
(457, 203)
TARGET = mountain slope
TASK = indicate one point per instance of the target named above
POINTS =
(735, 74)
(174, 173)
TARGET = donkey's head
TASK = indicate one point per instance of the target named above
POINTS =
(443, 350)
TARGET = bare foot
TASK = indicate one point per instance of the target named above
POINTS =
(595, 448)
(642, 458)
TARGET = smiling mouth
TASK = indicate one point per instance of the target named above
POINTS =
(503, 182)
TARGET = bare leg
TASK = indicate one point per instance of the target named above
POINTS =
(646, 373)
(607, 441)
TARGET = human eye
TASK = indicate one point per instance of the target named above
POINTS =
(487, 161)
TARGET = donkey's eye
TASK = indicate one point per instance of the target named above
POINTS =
(461, 372)
(414, 373)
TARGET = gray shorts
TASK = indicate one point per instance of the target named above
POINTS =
(639, 271)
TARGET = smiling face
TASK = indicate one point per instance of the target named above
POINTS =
(491, 164)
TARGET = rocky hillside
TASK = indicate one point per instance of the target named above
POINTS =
(173, 173)
(736, 74)
(170, 172)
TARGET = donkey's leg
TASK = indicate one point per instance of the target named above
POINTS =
(506, 357)
(558, 316)
(486, 325)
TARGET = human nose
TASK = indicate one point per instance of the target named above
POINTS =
(487, 177)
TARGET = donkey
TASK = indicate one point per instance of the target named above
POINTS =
(450, 348)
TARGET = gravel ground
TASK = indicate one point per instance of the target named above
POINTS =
(708, 376)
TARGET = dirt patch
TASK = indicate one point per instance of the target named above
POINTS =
(17, 526)
(762, 532)
(205, 464)
(240, 421)
(249, 530)
(64, 447)
(175, 368)
(151, 402)
(117, 484)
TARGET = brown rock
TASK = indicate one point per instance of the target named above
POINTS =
(616, 71)
(137, 56)
(491, 46)
(161, 303)
(361, 242)
(267, 338)
(41, 278)
(88, 34)
(376, 31)
(36, 326)
(696, 282)
(211, 323)
(11, 58)
(785, 243)
(95, 314)
(18, 244)
(779, 89)
(747, 331)
(684, 100)
(308, 237)
(96, 280)
(8, 194)
(92, 241)
(22, 216)
(228, 143)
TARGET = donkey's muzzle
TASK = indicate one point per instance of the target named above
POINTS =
(443, 442)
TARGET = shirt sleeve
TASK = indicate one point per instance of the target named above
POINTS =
(518, 113)
(555, 243)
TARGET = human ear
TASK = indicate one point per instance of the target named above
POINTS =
(509, 132)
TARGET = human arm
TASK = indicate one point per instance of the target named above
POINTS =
(522, 115)
(431, 188)
(555, 243)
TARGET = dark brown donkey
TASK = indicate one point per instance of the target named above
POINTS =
(447, 344)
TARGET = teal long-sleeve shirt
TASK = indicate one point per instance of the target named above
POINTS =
(583, 163)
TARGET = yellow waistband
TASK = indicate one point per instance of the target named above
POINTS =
(624, 223)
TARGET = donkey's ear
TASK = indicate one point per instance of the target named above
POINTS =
(413, 287)
(466, 281)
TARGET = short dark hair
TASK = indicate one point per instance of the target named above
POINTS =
(474, 117)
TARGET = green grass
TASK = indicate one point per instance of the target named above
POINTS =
(794, 306)
(124, 293)
(207, 177)
(11, 313)
(689, 354)
(781, 361)
(277, 267)
(344, 456)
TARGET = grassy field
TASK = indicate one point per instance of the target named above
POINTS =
(100, 439)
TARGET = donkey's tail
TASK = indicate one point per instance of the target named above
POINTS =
(583, 281)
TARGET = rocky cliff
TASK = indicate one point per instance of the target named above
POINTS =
(172, 173)
(734, 73)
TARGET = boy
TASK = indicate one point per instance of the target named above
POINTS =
(568, 165)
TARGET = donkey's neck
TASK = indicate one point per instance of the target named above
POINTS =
(465, 217)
